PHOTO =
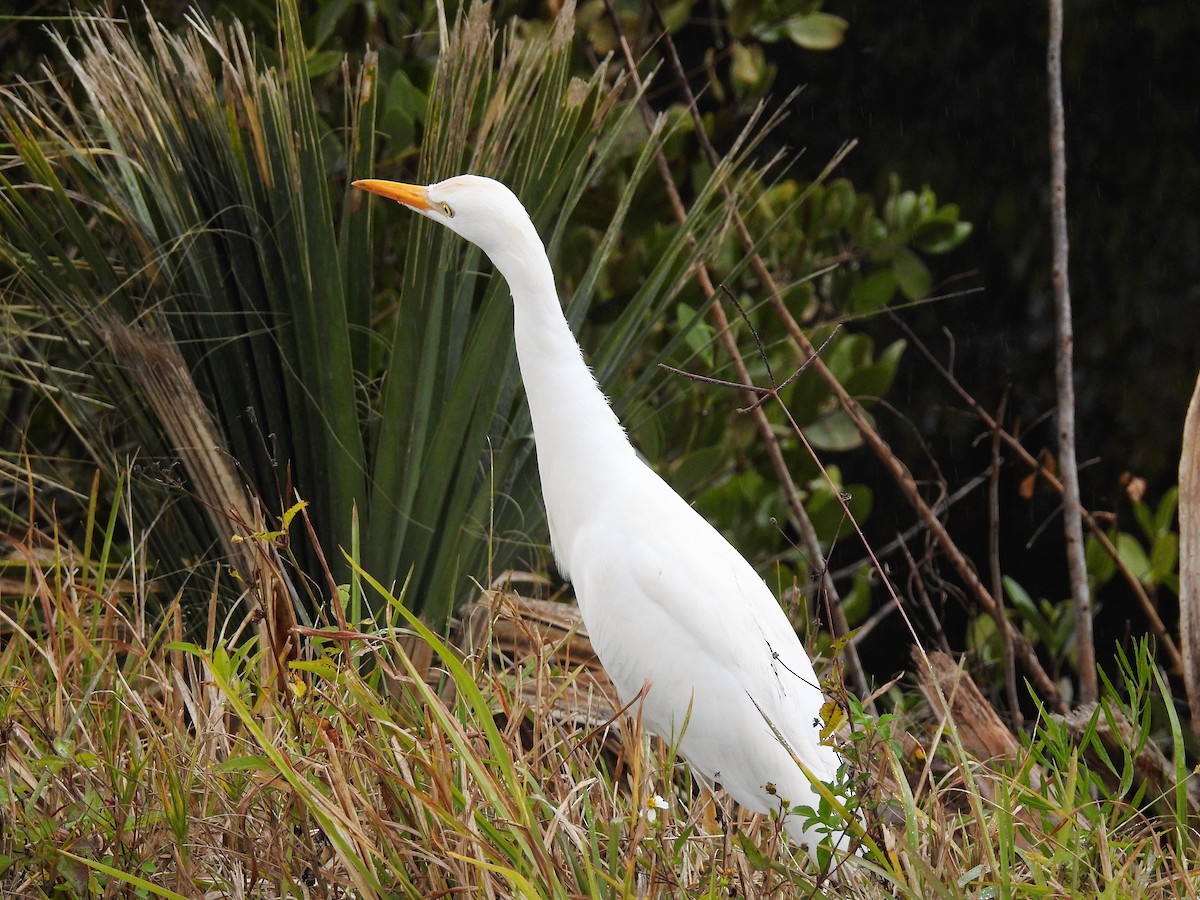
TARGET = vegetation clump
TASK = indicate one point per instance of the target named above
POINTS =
(249, 479)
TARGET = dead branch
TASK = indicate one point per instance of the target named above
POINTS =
(1064, 368)
(981, 731)
(1189, 556)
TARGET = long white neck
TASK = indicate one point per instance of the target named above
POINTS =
(583, 453)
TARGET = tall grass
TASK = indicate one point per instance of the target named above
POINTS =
(134, 762)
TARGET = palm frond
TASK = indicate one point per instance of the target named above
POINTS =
(188, 196)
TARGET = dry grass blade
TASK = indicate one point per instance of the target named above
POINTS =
(159, 370)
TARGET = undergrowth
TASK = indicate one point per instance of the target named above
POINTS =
(137, 760)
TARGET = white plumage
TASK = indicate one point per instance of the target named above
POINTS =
(666, 600)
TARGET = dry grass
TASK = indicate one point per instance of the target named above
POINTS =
(136, 763)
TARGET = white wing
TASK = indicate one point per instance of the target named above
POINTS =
(676, 605)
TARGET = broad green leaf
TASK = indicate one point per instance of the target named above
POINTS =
(874, 291)
(1133, 555)
(817, 31)
(940, 233)
(834, 432)
(911, 274)
(1164, 557)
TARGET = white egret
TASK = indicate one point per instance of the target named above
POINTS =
(668, 603)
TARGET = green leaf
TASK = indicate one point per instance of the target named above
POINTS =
(748, 66)
(856, 604)
(940, 234)
(1145, 519)
(982, 632)
(834, 432)
(901, 210)
(676, 14)
(1164, 516)
(873, 380)
(874, 291)
(698, 334)
(911, 274)
(1099, 562)
(1133, 555)
(323, 62)
(403, 108)
(817, 31)
(1164, 557)
(1028, 610)
(743, 15)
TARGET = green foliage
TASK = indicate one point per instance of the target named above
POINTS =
(837, 257)
(1152, 556)
(392, 391)
(1051, 625)
(197, 211)
(214, 230)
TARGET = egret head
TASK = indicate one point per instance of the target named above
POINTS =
(482, 210)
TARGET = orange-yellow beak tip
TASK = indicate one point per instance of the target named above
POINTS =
(412, 195)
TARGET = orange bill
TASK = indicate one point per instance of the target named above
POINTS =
(413, 195)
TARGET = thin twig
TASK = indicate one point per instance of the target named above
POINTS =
(904, 480)
(764, 393)
(1010, 666)
(1064, 369)
(941, 508)
(921, 593)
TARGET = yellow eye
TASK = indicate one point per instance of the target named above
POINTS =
(447, 211)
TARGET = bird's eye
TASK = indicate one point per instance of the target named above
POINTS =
(447, 210)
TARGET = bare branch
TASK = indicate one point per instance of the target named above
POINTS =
(1189, 556)
(1064, 369)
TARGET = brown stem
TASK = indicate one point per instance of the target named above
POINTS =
(1010, 667)
(1063, 369)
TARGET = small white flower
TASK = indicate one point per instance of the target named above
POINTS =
(653, 805)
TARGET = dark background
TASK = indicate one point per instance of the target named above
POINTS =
(955, 96)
